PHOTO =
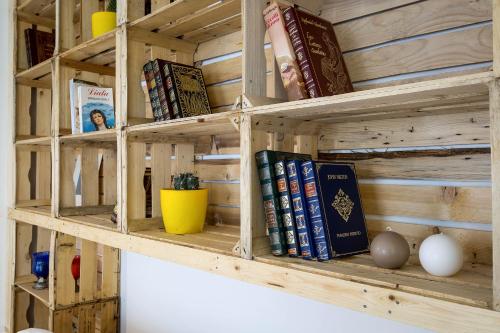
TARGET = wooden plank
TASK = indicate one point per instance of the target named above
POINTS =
(90, 176)
(219, 171)
(171, 13)
(184, 158)
(476, 244)
(223, 27)
(86, 318)
(343, 10)
(135, 61)
(110, 272)
(88, 67)
(36, 19)
(110, 177)
(65, 284)
(458, 167)
(462, 47)
(22, 259)
(449, 129)
(160, 173)
(109, 317)
(136, 195)
(219, 46)
(427, 312)
(63, 320)
(88, 271)
(495, 196)
(411, 20)
(225, 94)
(87, 8)
(449, 203)
(64, 24)
(252, 219)
(161, 39)
(43, 175)
(223, 194)
(496, 33)
(43, 112)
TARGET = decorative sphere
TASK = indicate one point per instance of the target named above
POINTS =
(441, 255)
(390, 250)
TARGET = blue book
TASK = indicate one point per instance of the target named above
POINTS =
(286, 209)
(322, 244)
(340, 208)
(304, 230)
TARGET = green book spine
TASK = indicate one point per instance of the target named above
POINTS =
(274, 221)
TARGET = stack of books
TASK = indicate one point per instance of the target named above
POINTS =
(307, 52)
(312, 209)
(175, 90)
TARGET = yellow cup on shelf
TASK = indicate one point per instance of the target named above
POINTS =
(103, 22)
(184, 211)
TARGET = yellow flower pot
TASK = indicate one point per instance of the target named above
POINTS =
(103, 22)
(184, 211)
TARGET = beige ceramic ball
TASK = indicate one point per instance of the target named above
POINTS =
(390, 250)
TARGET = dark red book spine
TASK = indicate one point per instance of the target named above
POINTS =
(299, 48)
(161, 84)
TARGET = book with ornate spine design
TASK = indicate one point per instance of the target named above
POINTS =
(319, 56)
(304, 230)
(159, 75)
(286, 211)
(316, 216)
(284, 54)
(152, 90)
(339, 205)
(265, 161)
(186, 90)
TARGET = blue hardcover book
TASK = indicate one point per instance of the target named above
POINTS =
(304, 230)
(316, 217)
(286, 209)
(340, 205)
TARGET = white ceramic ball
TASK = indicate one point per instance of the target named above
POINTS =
(441, 255)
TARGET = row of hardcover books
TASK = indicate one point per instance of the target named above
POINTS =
(307, 52)
(175, 90)
(312, 209)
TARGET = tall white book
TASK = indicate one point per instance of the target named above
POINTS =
(74, 84)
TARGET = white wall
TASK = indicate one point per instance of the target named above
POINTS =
(165, 297)
(5, 147)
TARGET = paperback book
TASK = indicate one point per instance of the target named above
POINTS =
(74, 102)
(96, 108)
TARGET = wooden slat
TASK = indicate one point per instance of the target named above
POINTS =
(476, 244)
(215, 30)
(436, 130)
(64, 25)
(136, 195)
(63, 320)
(86, 318)
(343, 10)
(455, 167)
(35, 19)
(160, 39)
(65, 284)
(495, 178)
(110, 176)
(160, 173)
(88, 271)
(109, 317)
(170, 13)
(87, 8)
(90, 176)
(415, 19)
(110, 272)
(469, 46)
(219, 46)
(184, 158)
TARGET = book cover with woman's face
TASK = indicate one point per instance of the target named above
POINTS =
(97, 112)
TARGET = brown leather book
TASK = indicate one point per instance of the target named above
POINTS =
(318, 53)
(39, 46)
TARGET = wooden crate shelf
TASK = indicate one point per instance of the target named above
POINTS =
(424, 147)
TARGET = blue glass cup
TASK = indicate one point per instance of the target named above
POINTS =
(40, 268)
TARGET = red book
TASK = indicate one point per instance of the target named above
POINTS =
(283, 51)
(318, 52)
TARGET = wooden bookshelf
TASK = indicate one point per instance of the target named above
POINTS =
(425, 149)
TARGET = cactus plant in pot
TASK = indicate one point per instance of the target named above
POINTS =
(184, 207)
(103, 22)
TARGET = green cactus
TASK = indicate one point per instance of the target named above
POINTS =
(186, 181)
(111, 6)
